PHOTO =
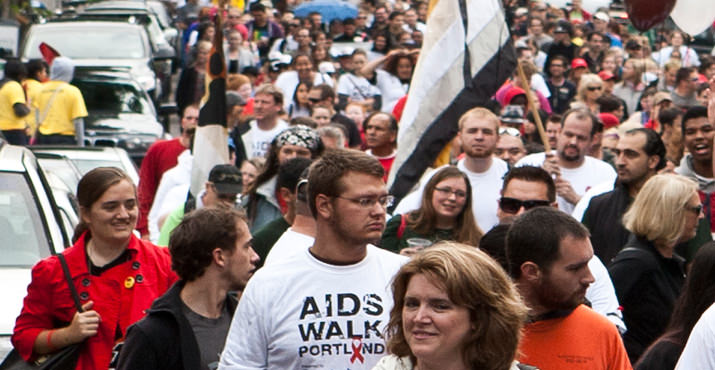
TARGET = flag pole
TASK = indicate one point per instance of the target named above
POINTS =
(532, 108)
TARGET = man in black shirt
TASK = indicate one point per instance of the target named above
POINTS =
(562, 90)
(186, 327)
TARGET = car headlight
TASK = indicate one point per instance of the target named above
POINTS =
(147, 82)
(5, 346)
(135, 144)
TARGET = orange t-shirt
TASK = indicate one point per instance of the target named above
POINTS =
(582, 340)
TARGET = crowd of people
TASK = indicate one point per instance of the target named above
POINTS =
(594, 254)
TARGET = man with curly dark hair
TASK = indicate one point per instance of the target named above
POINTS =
(212, 254)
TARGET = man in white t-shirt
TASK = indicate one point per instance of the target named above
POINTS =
(478, 131)
(254, 138)
(574, 172)
(328, 306)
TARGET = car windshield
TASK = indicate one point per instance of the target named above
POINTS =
(24, 240)
(112, 98)
(89, 43)
(86, 165)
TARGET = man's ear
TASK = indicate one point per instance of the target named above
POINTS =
(219, 257)
(323, 206)
(530, 272)
(286, 194)
(653, 162)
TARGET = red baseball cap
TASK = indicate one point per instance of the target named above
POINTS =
(579, 62)
(606, 75)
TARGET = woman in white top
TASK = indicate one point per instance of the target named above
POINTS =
(393, 80)
(354, 87)
(237, 54)
(454, 308)
(303, 70)
(688, 56)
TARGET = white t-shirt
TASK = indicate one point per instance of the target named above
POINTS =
(391, 89)
(585, 200)
(602, 294)
(287, 81)
(258, 141)
(592, 172)
(288, 245)
(699, 352)
(306, 314)
(165, 201)
(486, 188)
(357, 88)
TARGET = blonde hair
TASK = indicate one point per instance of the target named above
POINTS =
(587, 79)
(658, 212)
(479, 113)
(472, 280)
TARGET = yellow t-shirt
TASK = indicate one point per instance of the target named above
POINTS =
(66, 106)
(33, 88)
(11, 93)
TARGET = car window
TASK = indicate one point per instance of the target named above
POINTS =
(112, 98)
(89, 43)
(24, 240)
(86, 165)
(161, 13)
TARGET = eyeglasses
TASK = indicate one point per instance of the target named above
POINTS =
(511, 205)
(448, 191)
(593, 88)
(697, 209)
(367, 202)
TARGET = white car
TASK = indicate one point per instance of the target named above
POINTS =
(31, 226)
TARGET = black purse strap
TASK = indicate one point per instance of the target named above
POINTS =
(68, 278)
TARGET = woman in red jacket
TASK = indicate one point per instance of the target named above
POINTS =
(117, 276)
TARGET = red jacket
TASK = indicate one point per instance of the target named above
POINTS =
(118, 302)
(161, 156)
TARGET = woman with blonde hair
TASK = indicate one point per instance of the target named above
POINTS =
(454, 308)
(647, 273)
(590, 88)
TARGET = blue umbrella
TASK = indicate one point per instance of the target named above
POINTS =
(328, 9)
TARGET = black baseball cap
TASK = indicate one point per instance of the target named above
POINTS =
(226, 179)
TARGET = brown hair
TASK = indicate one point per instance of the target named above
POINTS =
(200, 232)
(92, 186)
(424, 220)
(235, 80)
(474, 281)
(326, 174)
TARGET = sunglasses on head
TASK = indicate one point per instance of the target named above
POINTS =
(511, 205)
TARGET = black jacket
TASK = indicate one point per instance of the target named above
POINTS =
(164, 338)
(647, 285)
(603, 219)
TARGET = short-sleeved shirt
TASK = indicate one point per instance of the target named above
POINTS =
(67, 105)
(11, 93)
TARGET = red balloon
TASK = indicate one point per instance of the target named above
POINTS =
(645, 14)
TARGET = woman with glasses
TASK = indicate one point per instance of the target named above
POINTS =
(647, 273)
(445, 214)
(590, 88)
